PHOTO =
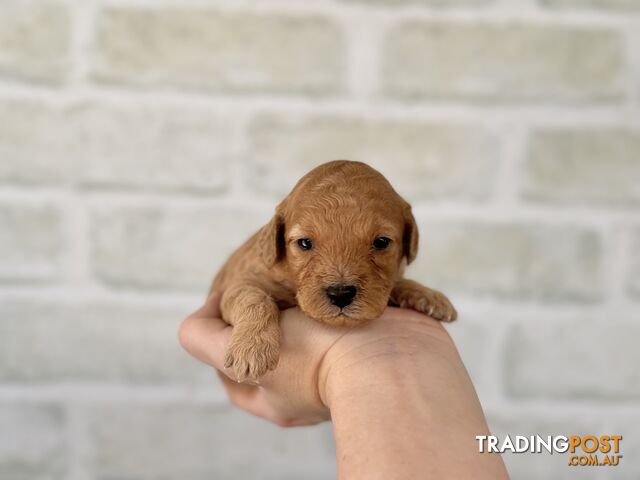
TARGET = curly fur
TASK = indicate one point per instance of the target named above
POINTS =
(342, 206)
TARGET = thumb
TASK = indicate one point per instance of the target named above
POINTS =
(204, 335)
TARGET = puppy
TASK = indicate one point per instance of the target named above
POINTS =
(336, 247)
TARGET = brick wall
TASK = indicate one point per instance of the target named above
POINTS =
(141, 141)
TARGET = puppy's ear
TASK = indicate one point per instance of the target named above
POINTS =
(271, 240)
(410, 235)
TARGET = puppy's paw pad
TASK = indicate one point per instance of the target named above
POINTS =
(252, 357)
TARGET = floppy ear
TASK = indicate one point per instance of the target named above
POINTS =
(271, 240)
(410, 236)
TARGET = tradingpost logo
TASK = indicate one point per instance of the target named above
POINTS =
(581, 450)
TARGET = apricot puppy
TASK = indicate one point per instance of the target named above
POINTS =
(336, 247)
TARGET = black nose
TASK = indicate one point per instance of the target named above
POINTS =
(341, 295)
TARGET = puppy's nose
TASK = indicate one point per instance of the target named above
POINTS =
(341, 295)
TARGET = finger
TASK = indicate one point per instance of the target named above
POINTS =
(205, 337)
(211, 307)
(249, 398)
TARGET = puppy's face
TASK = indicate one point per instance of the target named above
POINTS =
(342, 241)
(344, 263)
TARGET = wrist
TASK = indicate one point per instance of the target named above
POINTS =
(392, 364)
(400, 350)
(394, 391)
(378, 399)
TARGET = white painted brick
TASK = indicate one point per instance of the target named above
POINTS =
(574, 359)
(422, 160)
(124, 146)
(472, 341)
(31, 241)
(95, 342)
(146, 147)
(174, 247)
(627, 424)
(151, 442)
(32, 441)
(621, 5)
(34, 144)
(35, 40)
(502, 62)
(584, 166)
(633, 280)
(426, 3)
(222, 51)
(510, 260)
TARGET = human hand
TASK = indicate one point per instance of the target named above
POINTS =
(396, 390)
(296, 393)
(288, 396)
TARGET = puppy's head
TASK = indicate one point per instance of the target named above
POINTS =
(342, 235)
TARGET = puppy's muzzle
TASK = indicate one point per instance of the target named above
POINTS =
(341, 295)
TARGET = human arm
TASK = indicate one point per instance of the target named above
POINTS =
(400, 399)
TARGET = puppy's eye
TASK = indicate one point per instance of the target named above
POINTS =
(381, 243)
(305, 244)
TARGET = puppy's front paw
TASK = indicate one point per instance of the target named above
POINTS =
(425, 300)
(251, 356)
